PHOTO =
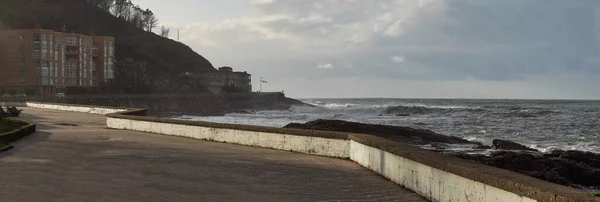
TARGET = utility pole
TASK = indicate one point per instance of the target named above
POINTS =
(261, 82)
(135, 82)
(177, 34)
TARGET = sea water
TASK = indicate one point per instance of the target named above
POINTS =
(541, 124)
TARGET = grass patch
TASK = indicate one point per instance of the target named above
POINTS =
(7, 125)
(4, 146)
(596, 194)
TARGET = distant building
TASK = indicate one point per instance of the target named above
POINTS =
(225, 80)
(47, 62)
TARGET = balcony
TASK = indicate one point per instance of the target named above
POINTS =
(72, 52)
(71, 44)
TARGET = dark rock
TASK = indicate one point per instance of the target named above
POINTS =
(482, 147)
(241, 112)
(396, 133)
(572, 168)
(402, 114)
(472, 157)
(508, 145)
(589, 158)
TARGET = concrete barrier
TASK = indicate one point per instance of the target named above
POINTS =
(434, 176)
(16, 104)
(429, 182)
(315, 145)
(76, 108)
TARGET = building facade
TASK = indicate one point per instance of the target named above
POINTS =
(225, 80)
(39, 61)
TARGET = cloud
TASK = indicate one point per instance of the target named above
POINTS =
(325, 66)
(446, 40)
(397, 59)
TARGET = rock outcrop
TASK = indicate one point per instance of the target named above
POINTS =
(396, 133)
(571, 168)
(509, 145)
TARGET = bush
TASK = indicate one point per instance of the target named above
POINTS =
(7, 125)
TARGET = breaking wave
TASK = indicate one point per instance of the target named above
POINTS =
(420, 109)
(387, 109)
(529, 113)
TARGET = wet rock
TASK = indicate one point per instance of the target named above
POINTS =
(588, 158)
(396, 133)
(571, 168)
(482, 147)
(472, 157)
(509, 145)
(241, 112)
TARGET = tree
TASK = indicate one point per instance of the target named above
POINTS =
(127, 11)
(120, 7)
(164, 31)
(137, 17)
(105, 5)
(150, 21)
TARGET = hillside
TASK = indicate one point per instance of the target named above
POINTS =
(156, 63)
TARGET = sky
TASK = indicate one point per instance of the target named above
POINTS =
(523, 49)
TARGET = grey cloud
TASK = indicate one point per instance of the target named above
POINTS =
(443, 40)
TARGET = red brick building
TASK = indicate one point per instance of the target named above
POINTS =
(44, 61)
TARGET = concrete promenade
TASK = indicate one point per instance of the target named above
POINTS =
(74, 157)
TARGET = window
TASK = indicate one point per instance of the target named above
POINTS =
(36, 37)
(36, 54)
(22, 52)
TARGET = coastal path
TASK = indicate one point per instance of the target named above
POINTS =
(75, 157)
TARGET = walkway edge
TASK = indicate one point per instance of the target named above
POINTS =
(432, 175)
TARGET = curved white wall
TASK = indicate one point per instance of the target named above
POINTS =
(304, 144)
(72, 108)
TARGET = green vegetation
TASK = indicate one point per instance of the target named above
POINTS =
(145, 61)
(7, 125)
(597, 194)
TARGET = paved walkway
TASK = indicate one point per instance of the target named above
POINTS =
(74, 157)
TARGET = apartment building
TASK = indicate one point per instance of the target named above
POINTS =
(39, 61)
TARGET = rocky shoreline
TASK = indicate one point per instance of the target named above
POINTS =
(576, 169)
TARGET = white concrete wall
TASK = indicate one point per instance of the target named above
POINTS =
(90, 110)
(16, 104)
(429, 182)
(304, 144)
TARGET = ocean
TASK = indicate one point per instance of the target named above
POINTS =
(541, 124)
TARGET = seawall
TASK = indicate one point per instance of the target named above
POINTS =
(432, 175)
(158, 104)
